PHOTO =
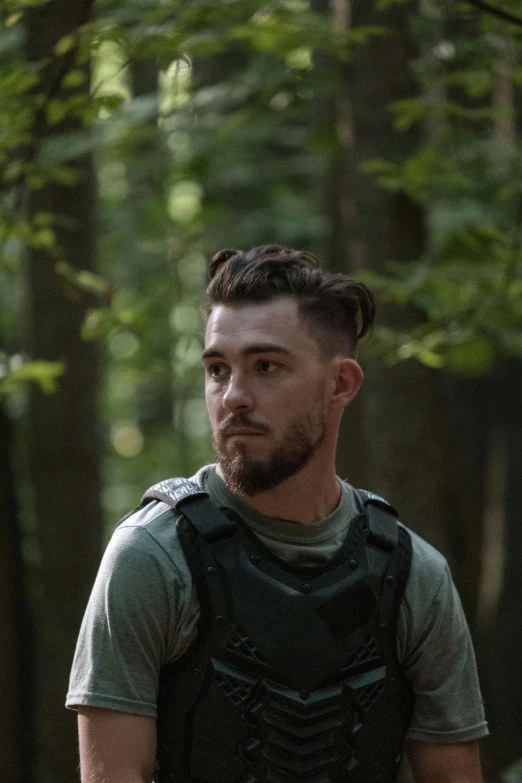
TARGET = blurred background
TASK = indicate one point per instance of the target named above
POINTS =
(137, 138)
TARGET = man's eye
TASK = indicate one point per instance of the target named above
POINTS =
(215, 370)
(265, 366)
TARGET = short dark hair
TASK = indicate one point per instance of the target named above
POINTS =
(338, 310)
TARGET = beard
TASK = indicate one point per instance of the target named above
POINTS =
(249, 476)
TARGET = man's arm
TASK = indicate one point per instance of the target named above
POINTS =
(116, 747)
(457, 762)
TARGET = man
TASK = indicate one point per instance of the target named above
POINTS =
(291, 631)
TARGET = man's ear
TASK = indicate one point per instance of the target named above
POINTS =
(347, 378)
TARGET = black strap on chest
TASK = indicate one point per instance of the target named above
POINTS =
(194, 503)
(382, 521)
(190, 500)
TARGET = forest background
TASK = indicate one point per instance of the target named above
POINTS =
(138, 137)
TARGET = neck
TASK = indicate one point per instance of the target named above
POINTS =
(309, 496)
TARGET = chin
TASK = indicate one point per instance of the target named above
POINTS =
(246, 446)
(245, 455)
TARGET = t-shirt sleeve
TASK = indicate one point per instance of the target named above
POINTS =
(136, 619)
(437, 654)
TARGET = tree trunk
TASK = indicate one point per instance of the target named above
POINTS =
(416, 436)
(505, 674)
(471, 421)
(146, 210)
(504, 681)
(394, 440)
(344, 250)
(16, 659)
(64, 443)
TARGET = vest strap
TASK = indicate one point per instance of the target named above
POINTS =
(236, 673)
(382, 521)
(189, 499)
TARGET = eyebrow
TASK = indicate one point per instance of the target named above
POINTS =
(212, 353)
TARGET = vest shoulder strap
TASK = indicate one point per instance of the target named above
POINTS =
(382, 521)
(194, 503)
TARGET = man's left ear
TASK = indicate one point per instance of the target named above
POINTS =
(346, 382)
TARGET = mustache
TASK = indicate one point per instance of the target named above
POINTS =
(242, 420)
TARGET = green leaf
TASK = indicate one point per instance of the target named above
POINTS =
(66, 175)
(56, 111)
(431, 359)
(35, 181)
(73, 78)
(44, 237)
(84, 280)
(408, 111)
(12, 19)
(64, 45)
(473, 357)
(98, 323)
(44, 374)
(386, 172)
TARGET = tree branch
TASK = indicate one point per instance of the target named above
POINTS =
(489, 9)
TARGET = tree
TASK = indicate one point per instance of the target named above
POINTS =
(64, 429)
(378, 73)
(16, 662)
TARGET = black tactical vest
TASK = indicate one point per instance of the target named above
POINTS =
(293, 675)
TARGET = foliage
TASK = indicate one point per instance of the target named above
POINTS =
(15, 372)
(18, 79)
(467, 176)
(162, 166)
(226, 147)
(513, 774)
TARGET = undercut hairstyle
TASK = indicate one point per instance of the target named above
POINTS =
(337, 310)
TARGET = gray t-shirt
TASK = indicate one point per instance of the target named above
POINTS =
(143, 612)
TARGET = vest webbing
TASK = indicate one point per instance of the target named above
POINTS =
(293, 675)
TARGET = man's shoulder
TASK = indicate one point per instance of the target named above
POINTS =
(147, 516)
(423, 551)
(155, 518)
(429, 568)
(429, 585)
(425, 557)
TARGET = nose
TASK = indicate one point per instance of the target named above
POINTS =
(237, 397)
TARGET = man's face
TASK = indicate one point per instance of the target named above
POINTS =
(265, 393)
